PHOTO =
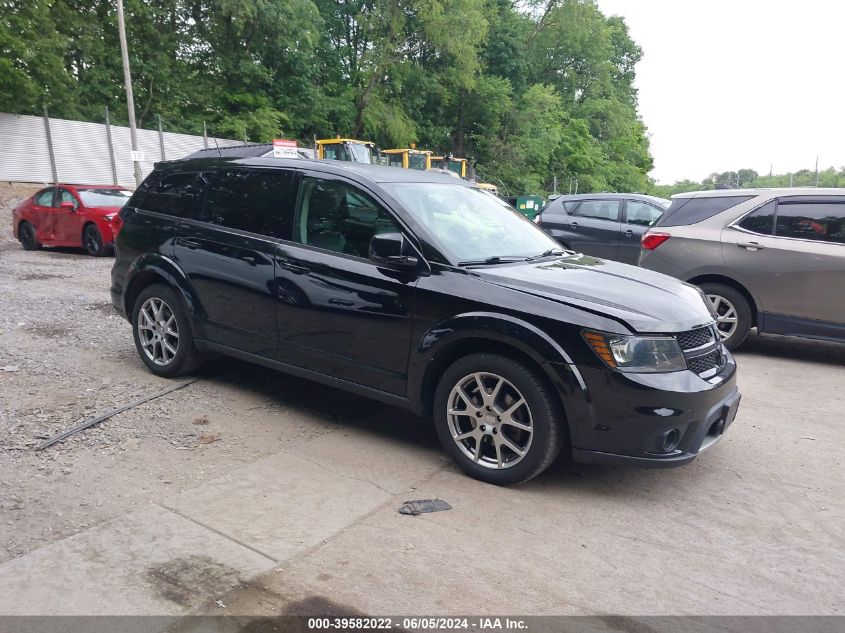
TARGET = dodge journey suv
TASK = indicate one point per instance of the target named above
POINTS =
(419, 290)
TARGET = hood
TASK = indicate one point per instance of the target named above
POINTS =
(644, 300)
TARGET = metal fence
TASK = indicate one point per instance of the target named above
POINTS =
(44, 150)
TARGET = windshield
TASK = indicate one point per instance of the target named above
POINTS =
(471, 225)
(359, 153)
(104, 197)
(416, 161)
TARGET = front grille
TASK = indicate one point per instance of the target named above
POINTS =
(693, 339)
(706, 362)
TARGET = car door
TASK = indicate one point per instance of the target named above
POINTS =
(637, 217)
(68, 221)
(43, 215)
(790, 253)
(340, 313)
(594, 228)
(228, 254)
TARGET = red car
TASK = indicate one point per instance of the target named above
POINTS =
(71, 215)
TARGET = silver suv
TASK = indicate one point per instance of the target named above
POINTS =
(773, 259)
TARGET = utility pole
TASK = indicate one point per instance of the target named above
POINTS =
(817, 170)
(130, 100)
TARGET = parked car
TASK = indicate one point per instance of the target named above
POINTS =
(773, 259)
(607, 225)
(70, 215)
(417, 289)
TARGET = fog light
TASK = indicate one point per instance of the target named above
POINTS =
(670, 442)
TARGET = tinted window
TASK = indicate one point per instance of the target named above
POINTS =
(823, 221)
(394, 160)
(67, 196)
(175, 194)
(255, 201)
(760, 221)
(641, 214)
(44, 198)
(339, 217)
(599, 209)
(692, 210)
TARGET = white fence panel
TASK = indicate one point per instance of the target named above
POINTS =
(82, 152)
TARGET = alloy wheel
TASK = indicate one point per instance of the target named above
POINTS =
(726, 317)
(93, 242)
(490, 420)
(158, 331)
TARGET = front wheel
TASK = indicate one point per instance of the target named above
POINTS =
(498, 419)
(733, 314)
(92, 240)
(162, 332)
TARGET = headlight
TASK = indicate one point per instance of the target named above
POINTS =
(639, 354)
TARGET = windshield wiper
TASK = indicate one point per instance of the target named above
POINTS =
(495, 259)
(548, 253)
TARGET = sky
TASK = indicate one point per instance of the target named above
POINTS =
(725, 85)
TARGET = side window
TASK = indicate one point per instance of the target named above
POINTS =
(255, 201)
(641, 213)
(339, 217)
(599, 209)
(45, 198)
(761, 221)
(824, 221)
(394, 160)
(175, 194)
(685, 211)
(337, 151)
(67, 196)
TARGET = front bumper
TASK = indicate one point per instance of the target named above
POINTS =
(618, 418)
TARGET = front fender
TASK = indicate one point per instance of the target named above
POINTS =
(510, 331)
(144, 268)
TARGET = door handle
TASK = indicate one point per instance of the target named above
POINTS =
(751, 246)
(249, 259)
(573, 225)
(190, 244)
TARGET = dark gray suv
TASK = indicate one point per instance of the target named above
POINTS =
(607, 225)
(773, 259)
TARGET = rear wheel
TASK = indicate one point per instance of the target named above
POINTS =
(92, 240)
(733, 314)
(498, 419)
(26, 236)
(162, 332)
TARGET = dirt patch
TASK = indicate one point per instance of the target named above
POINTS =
(40, 276)
(102, 307)
(48, 330)
(189, 580)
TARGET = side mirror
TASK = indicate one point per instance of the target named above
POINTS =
(67, 205)
(391, 248)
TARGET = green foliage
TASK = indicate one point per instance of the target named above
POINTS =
(750, 179)
(528, 91)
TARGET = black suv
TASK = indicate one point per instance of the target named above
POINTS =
(422, 291)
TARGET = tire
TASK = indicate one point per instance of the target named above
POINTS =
(92, 241)
(541, 413)
(729, 303)
(150, 337)
(26, 236)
